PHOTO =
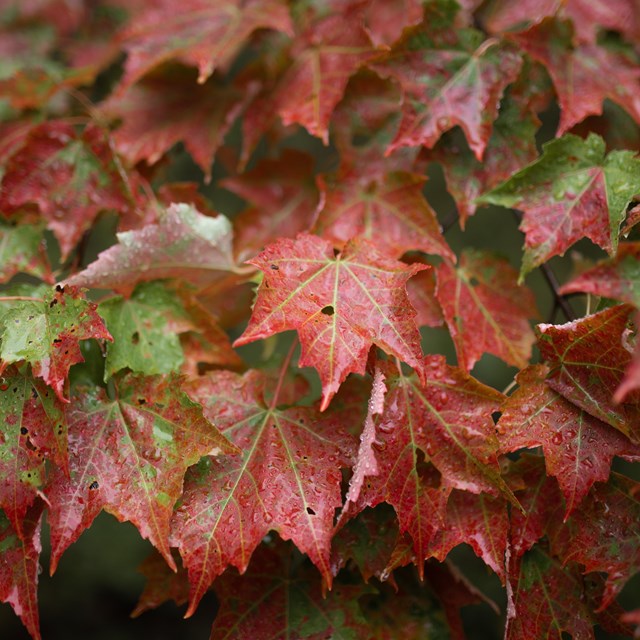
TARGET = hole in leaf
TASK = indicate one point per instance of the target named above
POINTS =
(336, 253)
(474, 282)
(328, 310)
(135, 338)
(94, 485)
(24, 431)
(310, 511)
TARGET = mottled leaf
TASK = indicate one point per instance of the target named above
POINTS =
(161, 110)
(617, 278)
(283, 199)
(584, 75)
(145, 330)
(360, 206)
(325, 57)
(197, 33)
(47, 333)
(588, 358)
(279, 598)
(449, 78)
(546, 600)
(22, 250)
(288, 479)
(340, 305)
(605, 534)
(485, 309)
(573, 191)
(425, 441)
(71, 177)
(19, 567)
(128, 456)
(511, 146)
(578, 448)
(32, 427)
(480, 521)
(184, 244)
(588, 16)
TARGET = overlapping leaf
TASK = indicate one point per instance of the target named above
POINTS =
(422, 442)
(22, 250)
(197, 33)
(32, 427)
(161, 110)
(510, 147)
(280, 598)
(184, 244)
(605, 534)
(485, 310)
(449, 78)
(584, 75)
(340, 305)
(283, 199)
(325, 57)
(588, 16)
(547, 599)
(573, 191)
(578, 448)
(359, 206)
(128, 456)
(47, 333)
(71, 177)
(588, 358)
(617, 278)
(145, 330)
(287, 479)
(19, 567)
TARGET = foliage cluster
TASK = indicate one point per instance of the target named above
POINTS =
(319, 480)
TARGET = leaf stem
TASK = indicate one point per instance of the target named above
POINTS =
(283, 371)
(12, 298)
(559, 300)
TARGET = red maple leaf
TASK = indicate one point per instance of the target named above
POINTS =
(287, 480)
(578, 448)
(129, 456)
(485, 309)
(340, 305)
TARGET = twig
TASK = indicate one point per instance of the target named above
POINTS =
(559, 300)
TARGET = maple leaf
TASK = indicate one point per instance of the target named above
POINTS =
(449, 78)
(47, 333)
(588, 358)
(288, 479)
(578, 448)
(359, 206)
(71, 177)
(573, 191)
(340, 305)
(161, 583)
(546, 600)
(605, 534)
(422, 441)
(511, 146)
(33, 428)
(19, 567)
(284, 200)
(478, 520)
(22, 250)
(385, 21)
(325, 57)
(422, 294)
(484, 308)
(588, 16)
(196, 33)
(279, 598)
(583, 76)
(617, 278)
(129, 456)
(163, 109)
(145, 331)
(184, 244)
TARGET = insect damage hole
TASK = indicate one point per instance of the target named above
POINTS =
(328, 310)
